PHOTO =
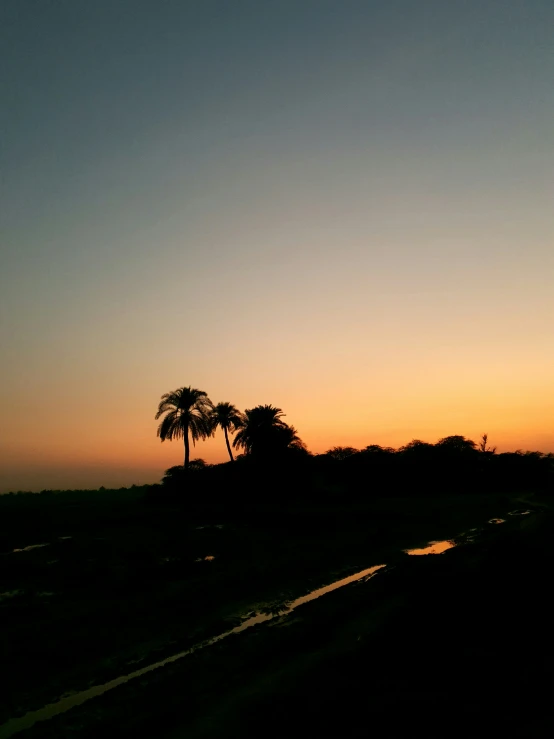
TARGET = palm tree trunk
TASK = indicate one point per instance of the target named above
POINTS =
(228, 445)
(187, 448)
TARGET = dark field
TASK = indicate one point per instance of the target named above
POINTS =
(130, 576)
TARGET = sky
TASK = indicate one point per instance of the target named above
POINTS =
(344, 209)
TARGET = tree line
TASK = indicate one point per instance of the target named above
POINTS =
(262, 435)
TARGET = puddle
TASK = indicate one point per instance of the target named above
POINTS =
(28, 549)
(9, 594)
(267, 613)
(15, 725)
(434, 547)
(438, 547)
(276, 609)
(362, 576)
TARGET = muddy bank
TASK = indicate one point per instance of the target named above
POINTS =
(98, 603)
(426, 631)
(465, 637)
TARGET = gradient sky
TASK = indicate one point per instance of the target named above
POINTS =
(342, 208)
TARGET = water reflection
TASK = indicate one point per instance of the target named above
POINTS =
(268, 612)
(9, 594)
(14, 726)
(28, 549)
(362, 576)
(276, 609)
(434, 547)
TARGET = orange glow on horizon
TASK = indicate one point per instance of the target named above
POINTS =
(358, 232)
(105, 456)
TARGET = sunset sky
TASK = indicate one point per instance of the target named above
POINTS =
(343, 208)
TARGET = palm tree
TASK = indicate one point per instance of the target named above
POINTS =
(259, 423)
(228, 418)
(264, 433)
(187, 412)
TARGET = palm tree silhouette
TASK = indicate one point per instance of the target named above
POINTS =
(187, 411)
(228, 418)
(264, 432)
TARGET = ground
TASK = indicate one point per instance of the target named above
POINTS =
(456, 632)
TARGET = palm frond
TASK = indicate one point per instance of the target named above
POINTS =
(167, 402)
(243, 439)
(188, 410)
(200, 427)
(263, 432)
(171, 427)
(227, 416)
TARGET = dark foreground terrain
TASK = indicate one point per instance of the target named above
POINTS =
(459, 642)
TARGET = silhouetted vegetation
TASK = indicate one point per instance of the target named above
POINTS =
(228, 418)
(274, 453)
(118, 577)
(276, 458)
(186, 412)
(266, 437)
